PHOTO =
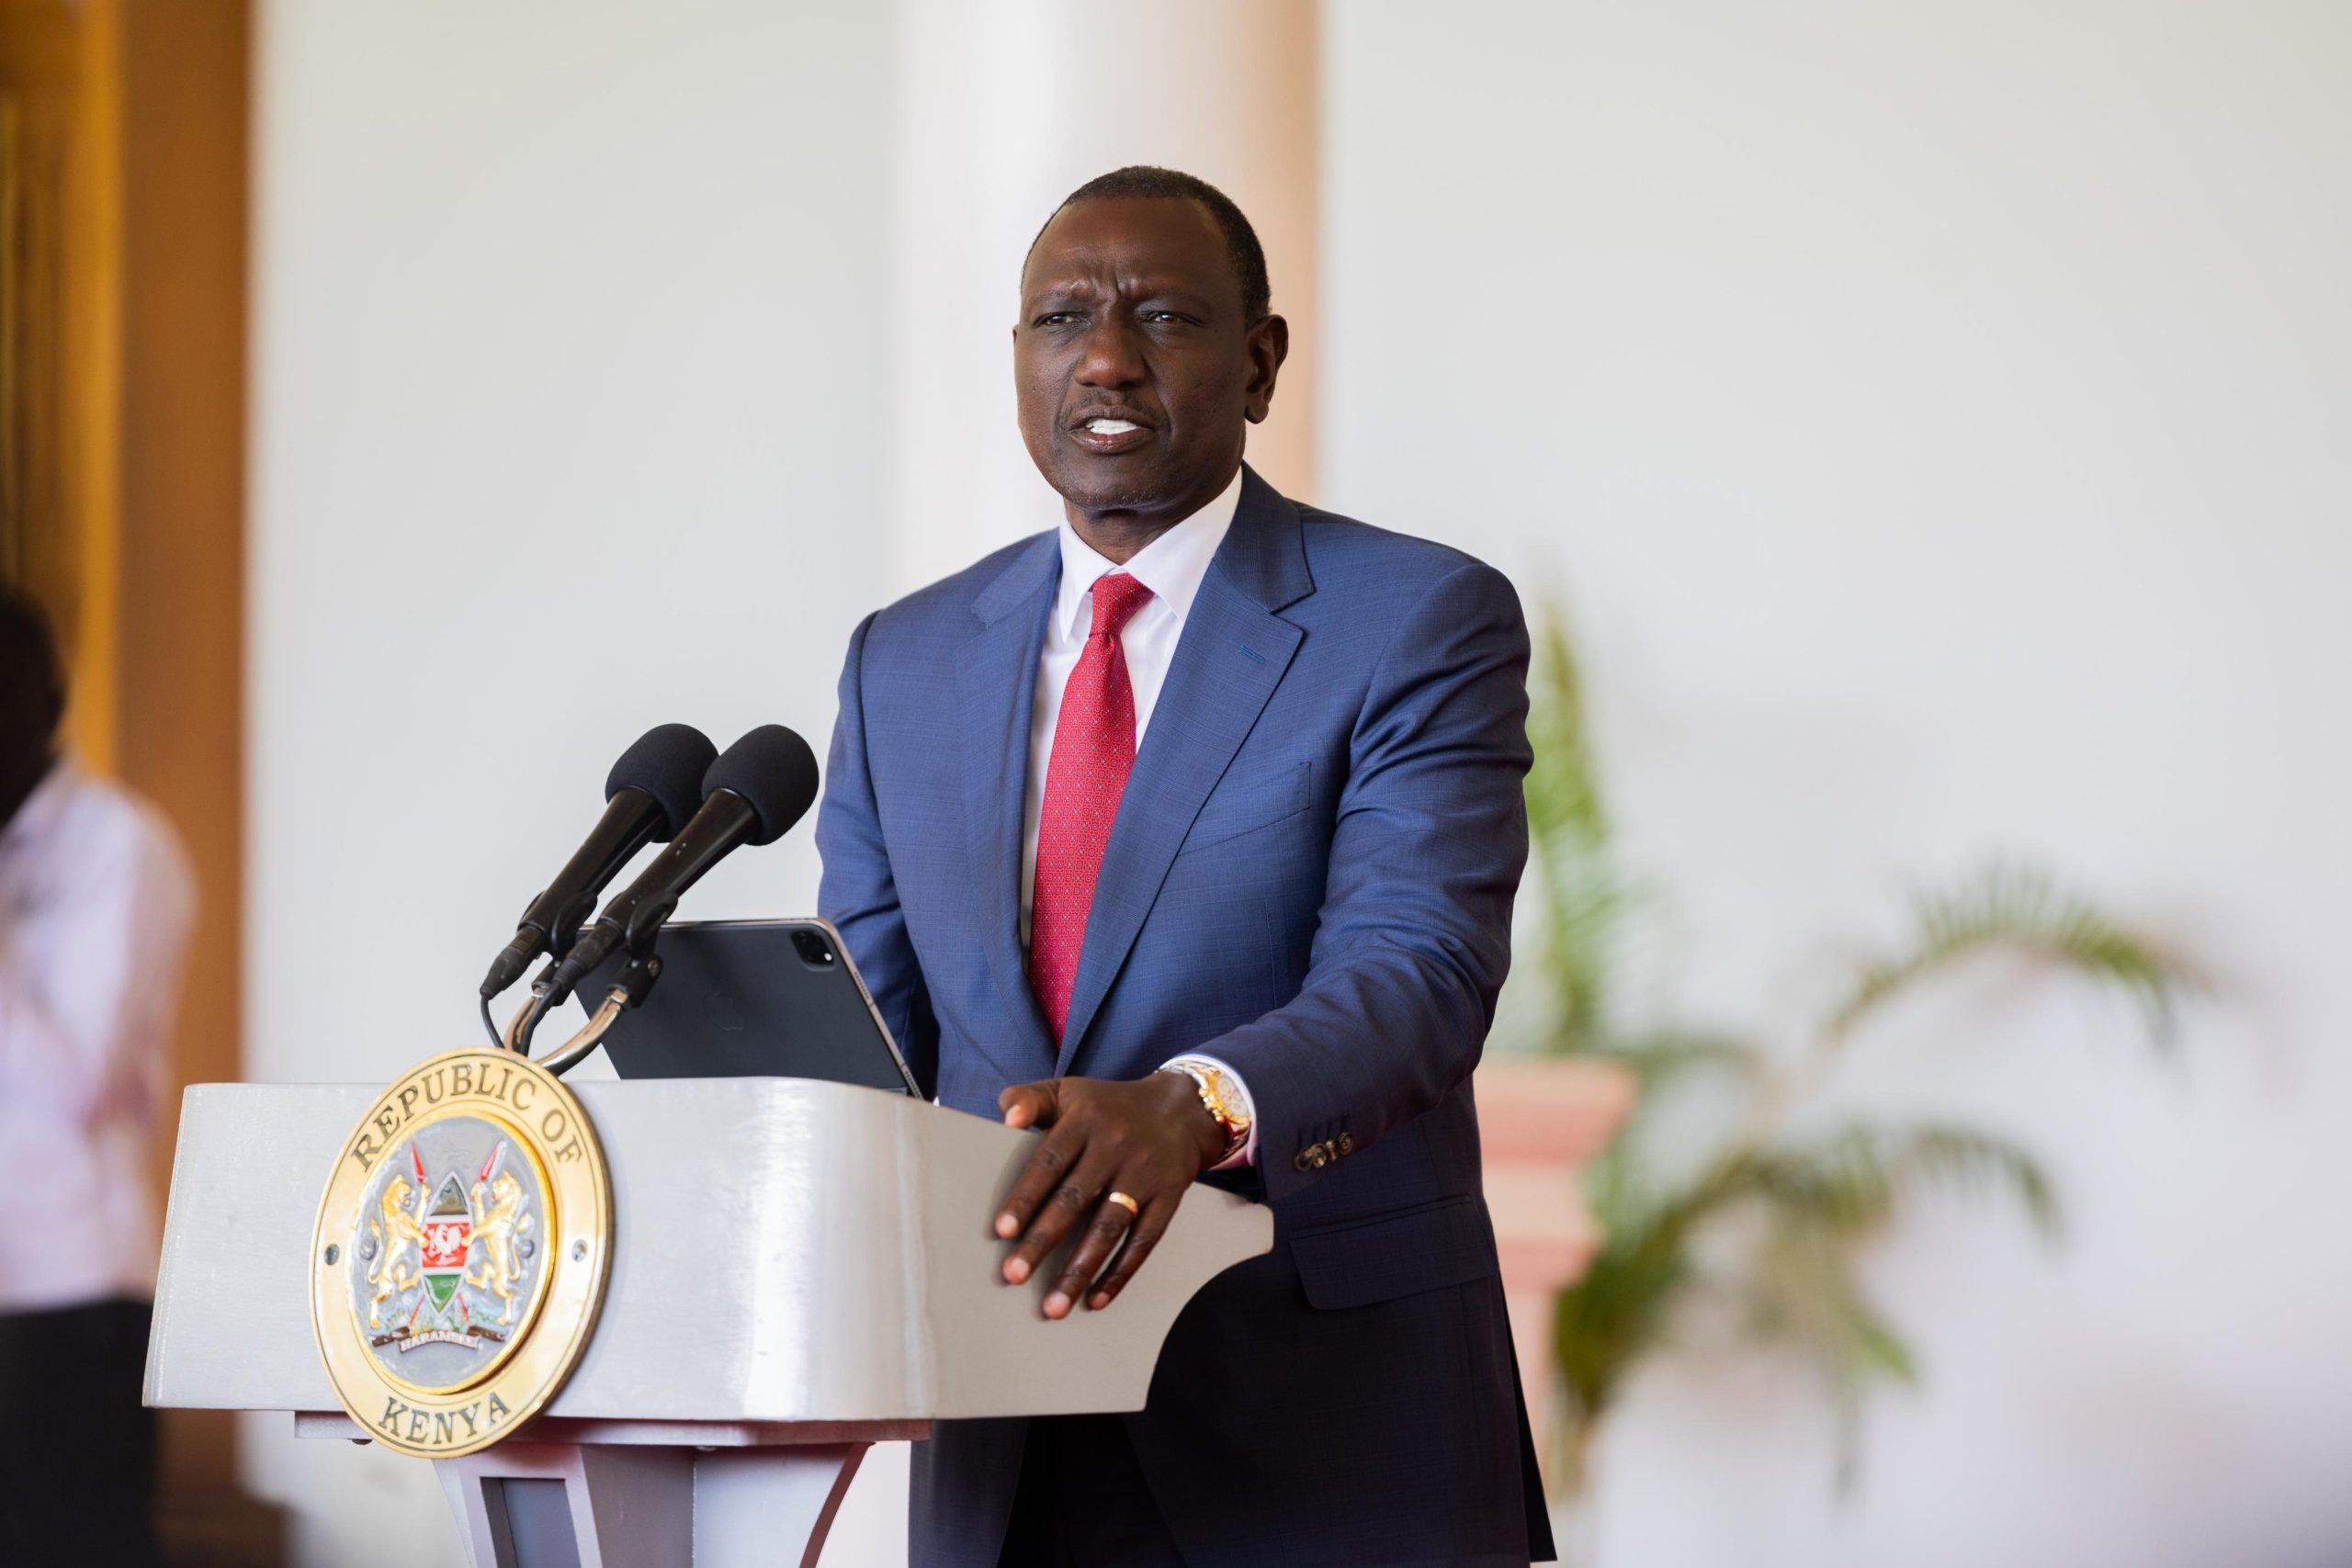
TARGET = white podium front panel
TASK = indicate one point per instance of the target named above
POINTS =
(784, 1251)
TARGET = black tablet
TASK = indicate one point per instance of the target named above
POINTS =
(752, 998)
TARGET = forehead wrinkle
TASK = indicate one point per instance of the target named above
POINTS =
(1083, 262)
(1091, 284)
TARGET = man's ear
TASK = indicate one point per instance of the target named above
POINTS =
(1268, 346)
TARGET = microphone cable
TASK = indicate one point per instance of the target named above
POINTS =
(524, 1023)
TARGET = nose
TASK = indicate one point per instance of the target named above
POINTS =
(1111, 357)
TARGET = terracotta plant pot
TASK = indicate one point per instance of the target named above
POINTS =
(1541, 1120)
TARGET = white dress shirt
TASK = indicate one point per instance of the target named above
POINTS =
(94, 905)
(1172, 566)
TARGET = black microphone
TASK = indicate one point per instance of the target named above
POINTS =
(648, 795)
(757, 789)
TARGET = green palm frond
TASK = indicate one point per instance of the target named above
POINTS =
(1664, 1057)
(1620, 1309)
(1819, 1201)
(1823, 1200)
(1850, 1183)
(1619, 1184)
(1564, 785)
(1802, 1292)
(1575, 873)
(2025, 910)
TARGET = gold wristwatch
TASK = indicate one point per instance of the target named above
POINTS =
(1223, 1096)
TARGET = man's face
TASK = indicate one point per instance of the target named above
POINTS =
(1136, 368)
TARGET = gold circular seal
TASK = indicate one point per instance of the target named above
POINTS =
(460, 1253)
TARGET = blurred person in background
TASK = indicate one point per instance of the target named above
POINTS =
(95, 906)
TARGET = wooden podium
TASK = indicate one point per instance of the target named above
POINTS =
(798, 1269)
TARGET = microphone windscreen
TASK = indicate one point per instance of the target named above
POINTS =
(667, 763)
(774, 771)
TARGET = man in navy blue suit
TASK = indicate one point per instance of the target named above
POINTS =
(1188, 833)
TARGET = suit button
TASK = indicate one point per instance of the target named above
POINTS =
(1347, 1146)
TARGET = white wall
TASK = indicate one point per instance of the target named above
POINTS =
(1935, 416)
(570, 362)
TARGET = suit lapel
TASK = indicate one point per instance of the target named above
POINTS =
(996, 686)
(1233, 654)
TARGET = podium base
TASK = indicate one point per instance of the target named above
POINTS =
(579, 1493)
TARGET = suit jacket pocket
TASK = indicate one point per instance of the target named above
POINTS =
(1235, 809)
(1400, 1254)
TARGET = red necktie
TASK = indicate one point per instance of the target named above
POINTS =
(1094, 749)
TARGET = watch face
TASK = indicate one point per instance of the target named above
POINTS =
(1228, 1105)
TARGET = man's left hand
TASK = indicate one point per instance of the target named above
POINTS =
(1148, 1139)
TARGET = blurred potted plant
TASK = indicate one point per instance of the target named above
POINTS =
(1546, 1114)
(1768, 1220)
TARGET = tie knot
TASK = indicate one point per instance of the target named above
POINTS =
(1117, 597)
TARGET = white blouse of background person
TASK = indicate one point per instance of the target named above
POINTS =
(96, 901)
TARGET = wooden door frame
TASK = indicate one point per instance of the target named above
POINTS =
(136, 453)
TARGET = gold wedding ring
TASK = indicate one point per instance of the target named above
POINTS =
(1124, 1202)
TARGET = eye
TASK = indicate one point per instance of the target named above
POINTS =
(1056, 319)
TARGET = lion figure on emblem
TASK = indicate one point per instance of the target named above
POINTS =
(399, 1242)
(499, 1222)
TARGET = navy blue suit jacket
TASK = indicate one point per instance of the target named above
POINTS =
(1310, 876)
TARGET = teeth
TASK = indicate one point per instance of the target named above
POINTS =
(1112, 427)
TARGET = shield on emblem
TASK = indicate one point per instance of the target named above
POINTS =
(449, 1231)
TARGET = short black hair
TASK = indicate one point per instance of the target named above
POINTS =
(28, 650)
(1150, 180)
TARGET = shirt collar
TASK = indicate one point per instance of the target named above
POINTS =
(1171, 566)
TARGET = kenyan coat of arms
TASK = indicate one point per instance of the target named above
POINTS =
(460, 1253)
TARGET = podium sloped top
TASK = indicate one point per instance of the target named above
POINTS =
(782, 1250)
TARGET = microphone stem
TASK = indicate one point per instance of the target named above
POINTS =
(525, 1022)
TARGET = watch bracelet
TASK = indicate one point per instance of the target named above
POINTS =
(1236, 1133)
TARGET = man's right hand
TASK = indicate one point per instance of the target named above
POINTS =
(1149, 1139)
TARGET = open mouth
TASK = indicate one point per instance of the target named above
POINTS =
(1111, 434)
